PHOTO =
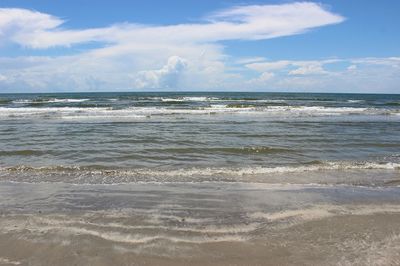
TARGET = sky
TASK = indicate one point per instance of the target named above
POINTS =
(210, 45)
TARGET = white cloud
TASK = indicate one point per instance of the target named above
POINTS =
(387, 61)
(266, 76)
(166, 77)
(305, 83)
(268, 21)
(249, 60)
(268, 66)
(352, 67)
(40, 30)
(264, 80)
(16, 24)
(313, 68)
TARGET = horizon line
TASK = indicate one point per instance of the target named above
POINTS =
(208, 91)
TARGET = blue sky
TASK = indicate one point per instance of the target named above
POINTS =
(324, 46)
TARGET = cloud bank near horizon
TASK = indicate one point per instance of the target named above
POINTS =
(186, 56)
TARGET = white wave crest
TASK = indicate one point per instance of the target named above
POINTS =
(138, 112)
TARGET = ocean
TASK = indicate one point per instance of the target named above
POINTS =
(194, 137)
(193, 177)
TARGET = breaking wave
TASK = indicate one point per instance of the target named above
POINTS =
(140, 112)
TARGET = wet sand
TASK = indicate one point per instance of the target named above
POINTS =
(198, 224)
(343, 240)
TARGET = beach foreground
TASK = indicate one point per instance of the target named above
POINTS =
(198, 224)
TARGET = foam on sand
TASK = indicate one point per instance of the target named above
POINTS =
(7, 261)
(110, 229)
(325, 211)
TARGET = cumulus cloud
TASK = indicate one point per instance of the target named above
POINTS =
(352, 67)
(309, 69)
(263, 77)
(166, 77)
(266, 76)
(261, 80)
